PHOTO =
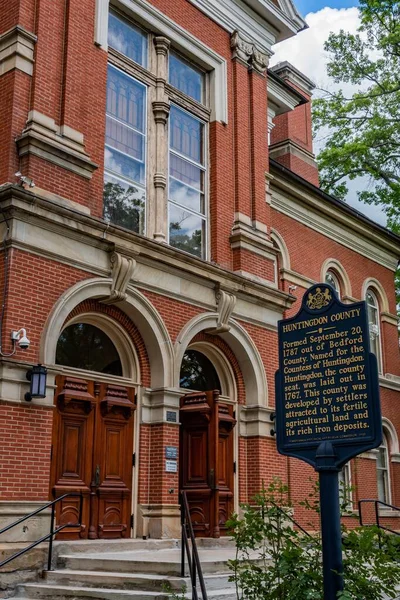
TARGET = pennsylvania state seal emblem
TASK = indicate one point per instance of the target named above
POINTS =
(321, 298)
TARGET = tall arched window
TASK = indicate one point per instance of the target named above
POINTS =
(198, 373)
(333, 280)
(374, 326)
(383, 471)
(84, 346)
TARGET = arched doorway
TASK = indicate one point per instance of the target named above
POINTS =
(93, 429)
(206, 446)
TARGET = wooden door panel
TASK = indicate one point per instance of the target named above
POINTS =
(113, 457)
(196, 458)
(114, 515)
(92, 454)
(72, 451)
(199, 508)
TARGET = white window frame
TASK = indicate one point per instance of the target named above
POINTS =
(378, 324)
(184, 42)
(337, 286)
(205, 169)
(345, 476)
(146, 135)
(385, 446)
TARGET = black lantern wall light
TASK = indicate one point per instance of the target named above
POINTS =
(37, 377)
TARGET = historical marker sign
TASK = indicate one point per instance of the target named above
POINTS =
(327, 403)
(327, 383)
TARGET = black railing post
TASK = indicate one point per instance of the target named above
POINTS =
(193, 557)
(49, 560)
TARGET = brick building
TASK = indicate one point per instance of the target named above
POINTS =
(160, 214)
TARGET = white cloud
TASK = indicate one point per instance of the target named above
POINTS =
(306, 52)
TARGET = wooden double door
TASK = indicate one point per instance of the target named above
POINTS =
(207, 461)
(92, 454)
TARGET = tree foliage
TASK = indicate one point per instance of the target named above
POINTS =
(364, 128)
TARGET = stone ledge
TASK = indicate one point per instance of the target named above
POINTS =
(16, 50)
(62, 146)
(255, 421)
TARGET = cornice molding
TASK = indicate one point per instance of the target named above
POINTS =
(344, 228)
(17, 50)
(88, 242)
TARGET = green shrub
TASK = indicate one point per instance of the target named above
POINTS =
(275, 560)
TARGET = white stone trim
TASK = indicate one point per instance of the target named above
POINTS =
(261, 20)
(136, 306)
(390, 381)
(283, 249)
(62, 146)
(297, 278)
(390, 318)
(17, 47)
(390, 431)
(101, 24)
(181, 39)
(255, 421)
(331, 264)
(243, 347)
(378, 289)
(280, 99)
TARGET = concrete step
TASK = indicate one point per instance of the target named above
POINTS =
(33, 591)
(94, 546)
(162, 562)
(129, 581)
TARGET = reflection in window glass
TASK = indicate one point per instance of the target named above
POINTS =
(124, 204)
(187, 211)
(198, 373)
(186, 78)
(125, 151)
(186, 183)
(127, 39)
(84, 346)
(332, 280)
(186, 135)
(382, 471)
(186, 230)
(374, 329)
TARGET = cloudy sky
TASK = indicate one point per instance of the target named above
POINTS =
(306, 53)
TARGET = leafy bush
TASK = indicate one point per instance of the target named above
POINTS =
(276, 560)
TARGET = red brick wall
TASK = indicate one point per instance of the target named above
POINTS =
(25, 452)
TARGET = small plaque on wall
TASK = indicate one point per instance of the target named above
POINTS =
(171, 416)
(171, 466)
(171, 452)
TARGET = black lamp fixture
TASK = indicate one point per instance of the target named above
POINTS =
(37, 377)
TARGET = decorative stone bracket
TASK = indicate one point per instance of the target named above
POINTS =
(122, 269)
(226, 304)
(248, 53)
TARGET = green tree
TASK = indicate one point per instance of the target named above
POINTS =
(364, 129)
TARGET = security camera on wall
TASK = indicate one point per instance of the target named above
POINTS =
(20, 338)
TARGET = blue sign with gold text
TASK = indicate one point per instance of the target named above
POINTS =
(327, 385)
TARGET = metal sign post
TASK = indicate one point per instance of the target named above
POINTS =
(327, 402)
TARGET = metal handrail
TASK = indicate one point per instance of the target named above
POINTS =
(50, 535)
(377, 516)
(282, 510)
(193, 557)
